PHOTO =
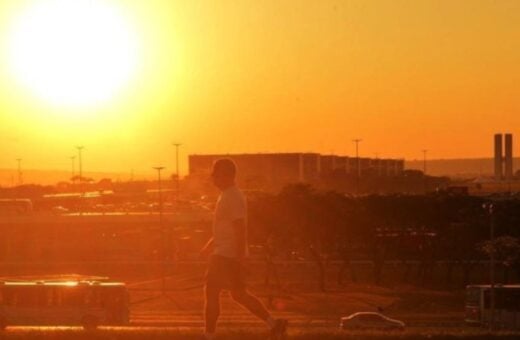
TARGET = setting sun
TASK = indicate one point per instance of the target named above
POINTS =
(72, 53)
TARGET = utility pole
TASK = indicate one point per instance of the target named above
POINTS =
(425, 179)
(20, 174)
(177, 181)
(80, 161)
(358, 167)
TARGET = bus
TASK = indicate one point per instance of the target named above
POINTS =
(507, 305)
(15, 206)
(63, 303)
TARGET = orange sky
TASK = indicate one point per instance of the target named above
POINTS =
(247, 76)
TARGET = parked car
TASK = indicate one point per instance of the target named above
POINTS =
(370, 320)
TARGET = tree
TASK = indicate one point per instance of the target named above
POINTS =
(506, 250)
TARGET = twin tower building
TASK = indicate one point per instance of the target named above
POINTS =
(503, 157)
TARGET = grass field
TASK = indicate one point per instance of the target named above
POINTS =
(428, 314)
(179, 334)
(307, 309)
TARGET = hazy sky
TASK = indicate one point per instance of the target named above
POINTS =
(247, 76)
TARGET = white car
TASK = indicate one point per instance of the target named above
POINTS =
(370, 320)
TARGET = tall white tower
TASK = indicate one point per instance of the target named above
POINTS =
(498, 157)
(508, 156)
(503, 161)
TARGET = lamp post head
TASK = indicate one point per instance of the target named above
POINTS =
(159, 169)
(489, 207)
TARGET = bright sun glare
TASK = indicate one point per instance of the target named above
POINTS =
(76, 53)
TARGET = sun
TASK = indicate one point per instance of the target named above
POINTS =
(78, 53)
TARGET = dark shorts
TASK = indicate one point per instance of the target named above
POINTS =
(225, 273)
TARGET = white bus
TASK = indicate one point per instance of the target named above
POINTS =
(63, 303)
(507, 305)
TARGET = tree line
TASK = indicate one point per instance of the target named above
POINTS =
(301, 222)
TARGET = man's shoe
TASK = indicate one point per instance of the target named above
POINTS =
(279, 331)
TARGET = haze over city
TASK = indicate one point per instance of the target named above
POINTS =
(229, 77)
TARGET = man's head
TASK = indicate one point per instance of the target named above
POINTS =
(223, 173)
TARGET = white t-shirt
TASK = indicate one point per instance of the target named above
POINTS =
(231, 206)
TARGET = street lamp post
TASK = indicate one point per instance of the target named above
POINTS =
(20, 175)
(378, 165)
(490, 207)
(73, 167)
(81, 187)
(80, 162)
(358, 168)
(177, 180)
(159, 169)
(163, 255)
(425, 152)
(425, 180)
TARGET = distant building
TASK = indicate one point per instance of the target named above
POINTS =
(275, 170)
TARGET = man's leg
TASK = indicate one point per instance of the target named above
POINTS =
(212, 309)
(251, 303)
(255, 306)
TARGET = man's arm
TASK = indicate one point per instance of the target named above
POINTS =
(239, 227)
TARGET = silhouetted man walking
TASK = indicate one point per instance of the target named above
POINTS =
(228, 248)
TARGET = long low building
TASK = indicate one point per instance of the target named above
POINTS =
(274, 170)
